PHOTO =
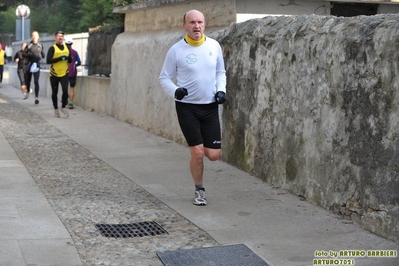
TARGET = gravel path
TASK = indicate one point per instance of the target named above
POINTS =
(83, 191)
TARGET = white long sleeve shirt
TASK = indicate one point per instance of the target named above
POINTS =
(9, 51)
(199, 69)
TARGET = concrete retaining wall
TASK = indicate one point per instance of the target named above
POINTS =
(44, 82)
(91, 93)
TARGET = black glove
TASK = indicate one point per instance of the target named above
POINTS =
(220, 97)
(180, 93)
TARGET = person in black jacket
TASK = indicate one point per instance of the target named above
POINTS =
(22, 63)
(34, 53)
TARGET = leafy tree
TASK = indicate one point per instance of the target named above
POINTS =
(72, 16)
(63, 15)
(37, 14)
(7, 21)
(30, 3)
(39, 18)
(96, 12)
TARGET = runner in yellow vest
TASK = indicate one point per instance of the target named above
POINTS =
(2, 61)
(58, 56)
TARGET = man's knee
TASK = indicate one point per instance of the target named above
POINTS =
(197, 153)
(212, 154)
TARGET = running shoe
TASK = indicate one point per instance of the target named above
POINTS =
(36, 100)
(64, 112)
(30, 91)
(70, 105)
(56, 113)
(25, 96)
(199, 198)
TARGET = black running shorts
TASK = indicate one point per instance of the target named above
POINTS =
(21, 76)
(200, 124)
(72, 81)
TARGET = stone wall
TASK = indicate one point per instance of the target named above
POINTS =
(311, 104)
(91, 92)
(312, 107)
(99, 51)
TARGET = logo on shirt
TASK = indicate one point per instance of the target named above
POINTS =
(191, 59)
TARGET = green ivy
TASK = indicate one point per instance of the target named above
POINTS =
(127, 2)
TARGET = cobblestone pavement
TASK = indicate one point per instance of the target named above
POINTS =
(84, 190)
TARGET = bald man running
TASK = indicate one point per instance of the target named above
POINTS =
(197, 63)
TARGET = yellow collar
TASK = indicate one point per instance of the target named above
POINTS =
(193, 42)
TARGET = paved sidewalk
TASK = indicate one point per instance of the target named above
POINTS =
(93, 169)
(30, 231)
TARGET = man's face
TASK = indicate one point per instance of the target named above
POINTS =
(194, 24)
(35, 37)
(59, 38)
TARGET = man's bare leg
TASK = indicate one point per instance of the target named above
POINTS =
(24, 92)
(197, 163)
(197, 170)
(71, 96)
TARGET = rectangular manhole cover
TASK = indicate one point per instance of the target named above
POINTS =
(232, 255)
(131, 230)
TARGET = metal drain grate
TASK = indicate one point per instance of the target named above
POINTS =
(131, 230)
(231, 255)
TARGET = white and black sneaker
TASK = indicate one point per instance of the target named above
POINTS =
(56, 113)
(64, 112)
(199, 198)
